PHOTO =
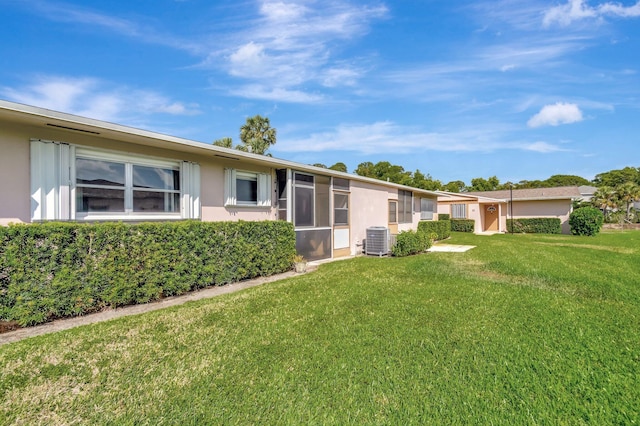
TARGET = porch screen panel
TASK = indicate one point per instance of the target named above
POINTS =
(314, 244)
(281, 176)
(323, 212)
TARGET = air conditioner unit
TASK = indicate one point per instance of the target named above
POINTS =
(377, 241)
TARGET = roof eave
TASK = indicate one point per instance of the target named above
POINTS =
(43, 116)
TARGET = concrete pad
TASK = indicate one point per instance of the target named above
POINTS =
(450, 248)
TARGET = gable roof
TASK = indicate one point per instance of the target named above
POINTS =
(461, 196)
(42, 117)
(557, 193)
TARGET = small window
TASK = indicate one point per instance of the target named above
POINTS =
(340, 209)
(393, 212)
(341, 184)
(247, 188)
(427, 208)
(458, 211)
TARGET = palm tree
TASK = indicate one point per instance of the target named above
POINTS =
(224, 142)
(257, 135)
(628, 193)
(605, 198)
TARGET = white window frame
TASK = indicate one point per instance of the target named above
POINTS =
(335, 208)
(456, 209)
(395, 202)
(53, 183)
(263, 183)
(129, 162)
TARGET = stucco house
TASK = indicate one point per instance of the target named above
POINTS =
(491, 209)
(58, 166)
(488, 213)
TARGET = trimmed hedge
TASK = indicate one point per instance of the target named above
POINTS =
(53, 270)
(444, 216)
(586, 221)
(463, 225)
(536, 225)
(411, 242)
(442, 228)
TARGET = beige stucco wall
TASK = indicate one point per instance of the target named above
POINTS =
(15, 172)
(369, 207)
(544, 208)
(212, 194)
(14, 176)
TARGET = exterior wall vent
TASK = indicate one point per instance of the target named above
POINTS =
(377, 241)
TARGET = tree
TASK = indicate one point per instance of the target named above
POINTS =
(425, 182)
(481, 184)
(365, 169)
(614, 178)
(605, 199)
(455, 186)
(526, 184)
(566, 180)
(628, 193)
(224, 142)
(386, 171)
(339, 167)
(322, 166)
(257, 135)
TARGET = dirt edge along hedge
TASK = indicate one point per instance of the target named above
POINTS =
(54, 270)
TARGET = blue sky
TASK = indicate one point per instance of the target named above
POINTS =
(520, 89)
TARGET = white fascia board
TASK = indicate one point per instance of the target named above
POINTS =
(107, 129)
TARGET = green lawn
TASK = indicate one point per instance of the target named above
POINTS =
(523, 329)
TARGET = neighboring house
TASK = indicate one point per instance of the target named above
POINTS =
(586, 192)
(57, 166)
(488, 213)
(529, 203)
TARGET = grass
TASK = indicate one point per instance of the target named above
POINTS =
(523, 329)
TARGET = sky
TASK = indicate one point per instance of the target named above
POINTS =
(518, 89)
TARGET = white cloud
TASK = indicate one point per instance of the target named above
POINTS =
(387, 136)
(542, 147)
(257, 91)
(292, 43)
(340, 76)
(94, 98)
(576, 10)
(554, 115)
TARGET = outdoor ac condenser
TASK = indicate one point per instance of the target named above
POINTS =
(377, 241)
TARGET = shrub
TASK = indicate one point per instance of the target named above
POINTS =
(444, 216)
(442, 228)
(410, 242)
(463, 225)
(52, 270)
(536, 225)
(586, 221)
